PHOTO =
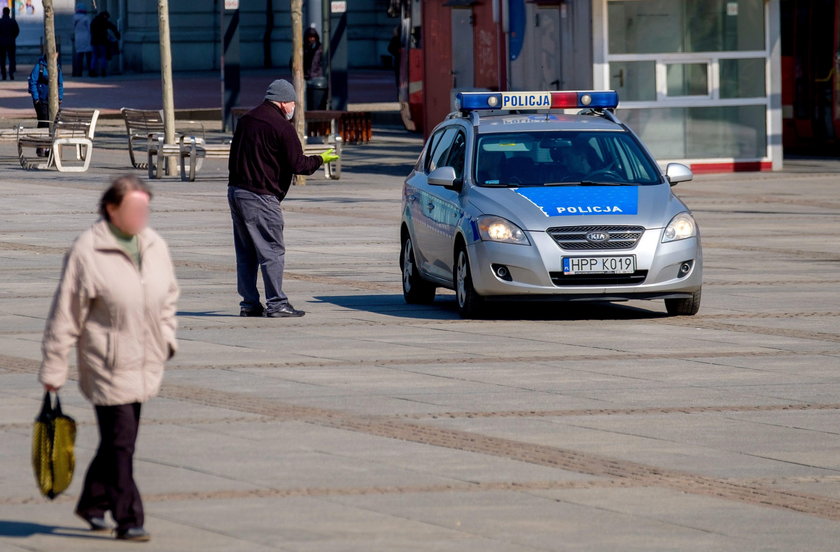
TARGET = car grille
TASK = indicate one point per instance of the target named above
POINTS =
(560, 279)
(574, 237)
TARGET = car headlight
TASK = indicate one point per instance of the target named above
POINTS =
(681, 227)
(497, 229)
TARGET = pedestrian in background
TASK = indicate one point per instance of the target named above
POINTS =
(9, 31)
(81, 41)
(103, 36)
(313, 54)
(264, 157)
(115, 303)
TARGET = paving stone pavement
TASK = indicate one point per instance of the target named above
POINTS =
(373, 425)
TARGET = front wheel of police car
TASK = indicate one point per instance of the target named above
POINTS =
(684, 307)
(470, 303)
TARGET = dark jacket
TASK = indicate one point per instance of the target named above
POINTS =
(9, 31)
(39, 86)
(266, 153)
(312, 54)
(99, 28)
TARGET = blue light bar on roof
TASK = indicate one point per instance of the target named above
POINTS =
(480, 100)
(531, 101)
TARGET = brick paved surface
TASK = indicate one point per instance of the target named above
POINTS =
(372, 425)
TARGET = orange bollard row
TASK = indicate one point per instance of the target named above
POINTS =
(355, 127)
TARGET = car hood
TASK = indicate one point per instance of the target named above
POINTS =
(538, 208)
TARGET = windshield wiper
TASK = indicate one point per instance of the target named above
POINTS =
(590, 183)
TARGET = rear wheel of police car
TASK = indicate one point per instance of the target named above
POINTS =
(684, 307)
(416, 290)
(470, 303)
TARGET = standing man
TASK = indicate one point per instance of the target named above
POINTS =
(264, 157)
(9, 32)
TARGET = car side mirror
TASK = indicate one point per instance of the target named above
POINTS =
(677, 172)
(443, 176)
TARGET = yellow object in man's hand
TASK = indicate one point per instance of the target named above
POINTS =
(329, 156)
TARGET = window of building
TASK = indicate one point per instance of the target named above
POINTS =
(687, 79)
(691, 75)
(664, 26)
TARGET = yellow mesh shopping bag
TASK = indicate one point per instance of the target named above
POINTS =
(53, 458)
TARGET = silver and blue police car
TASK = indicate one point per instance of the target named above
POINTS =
(513, 199)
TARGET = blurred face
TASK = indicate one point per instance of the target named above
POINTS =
(577, 162)
(288, 109)
(574, 160)
(132, 215)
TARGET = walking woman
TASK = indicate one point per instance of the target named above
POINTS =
(115, 303)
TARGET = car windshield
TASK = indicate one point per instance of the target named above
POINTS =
(562, 158)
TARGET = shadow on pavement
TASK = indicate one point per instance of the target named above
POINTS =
(22, 529)
(390, 305)
(444, 308)
(207, 313)
(400, 170)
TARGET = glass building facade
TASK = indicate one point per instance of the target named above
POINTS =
(694, 77)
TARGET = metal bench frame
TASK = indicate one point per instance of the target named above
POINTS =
(140, 126)
(72, 127)
(145, 128)
(194, 150)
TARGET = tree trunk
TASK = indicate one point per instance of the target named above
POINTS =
(297, 72)
(166, 83)
(52, 57)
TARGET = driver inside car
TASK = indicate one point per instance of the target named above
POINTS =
(570, 164)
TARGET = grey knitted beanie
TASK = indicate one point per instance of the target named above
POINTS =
(281, 91)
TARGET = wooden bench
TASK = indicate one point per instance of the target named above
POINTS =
(145, 128)
(72, 127)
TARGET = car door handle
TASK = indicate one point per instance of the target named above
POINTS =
(430, 206)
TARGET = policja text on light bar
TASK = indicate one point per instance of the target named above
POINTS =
(523, 101)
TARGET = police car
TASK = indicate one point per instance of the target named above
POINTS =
(513, 199)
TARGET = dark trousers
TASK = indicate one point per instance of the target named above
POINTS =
(81, 63)
(258, 240)
(7, 51)
(42, 110)
(109, 483)
(99, 64)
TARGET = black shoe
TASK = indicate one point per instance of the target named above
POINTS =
(136, 534)
(285, 311)
(251, 312)
(96, 523)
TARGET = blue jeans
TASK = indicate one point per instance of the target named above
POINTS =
(99, 65)
(258, 240)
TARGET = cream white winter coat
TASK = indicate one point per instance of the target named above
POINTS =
(120, 318)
